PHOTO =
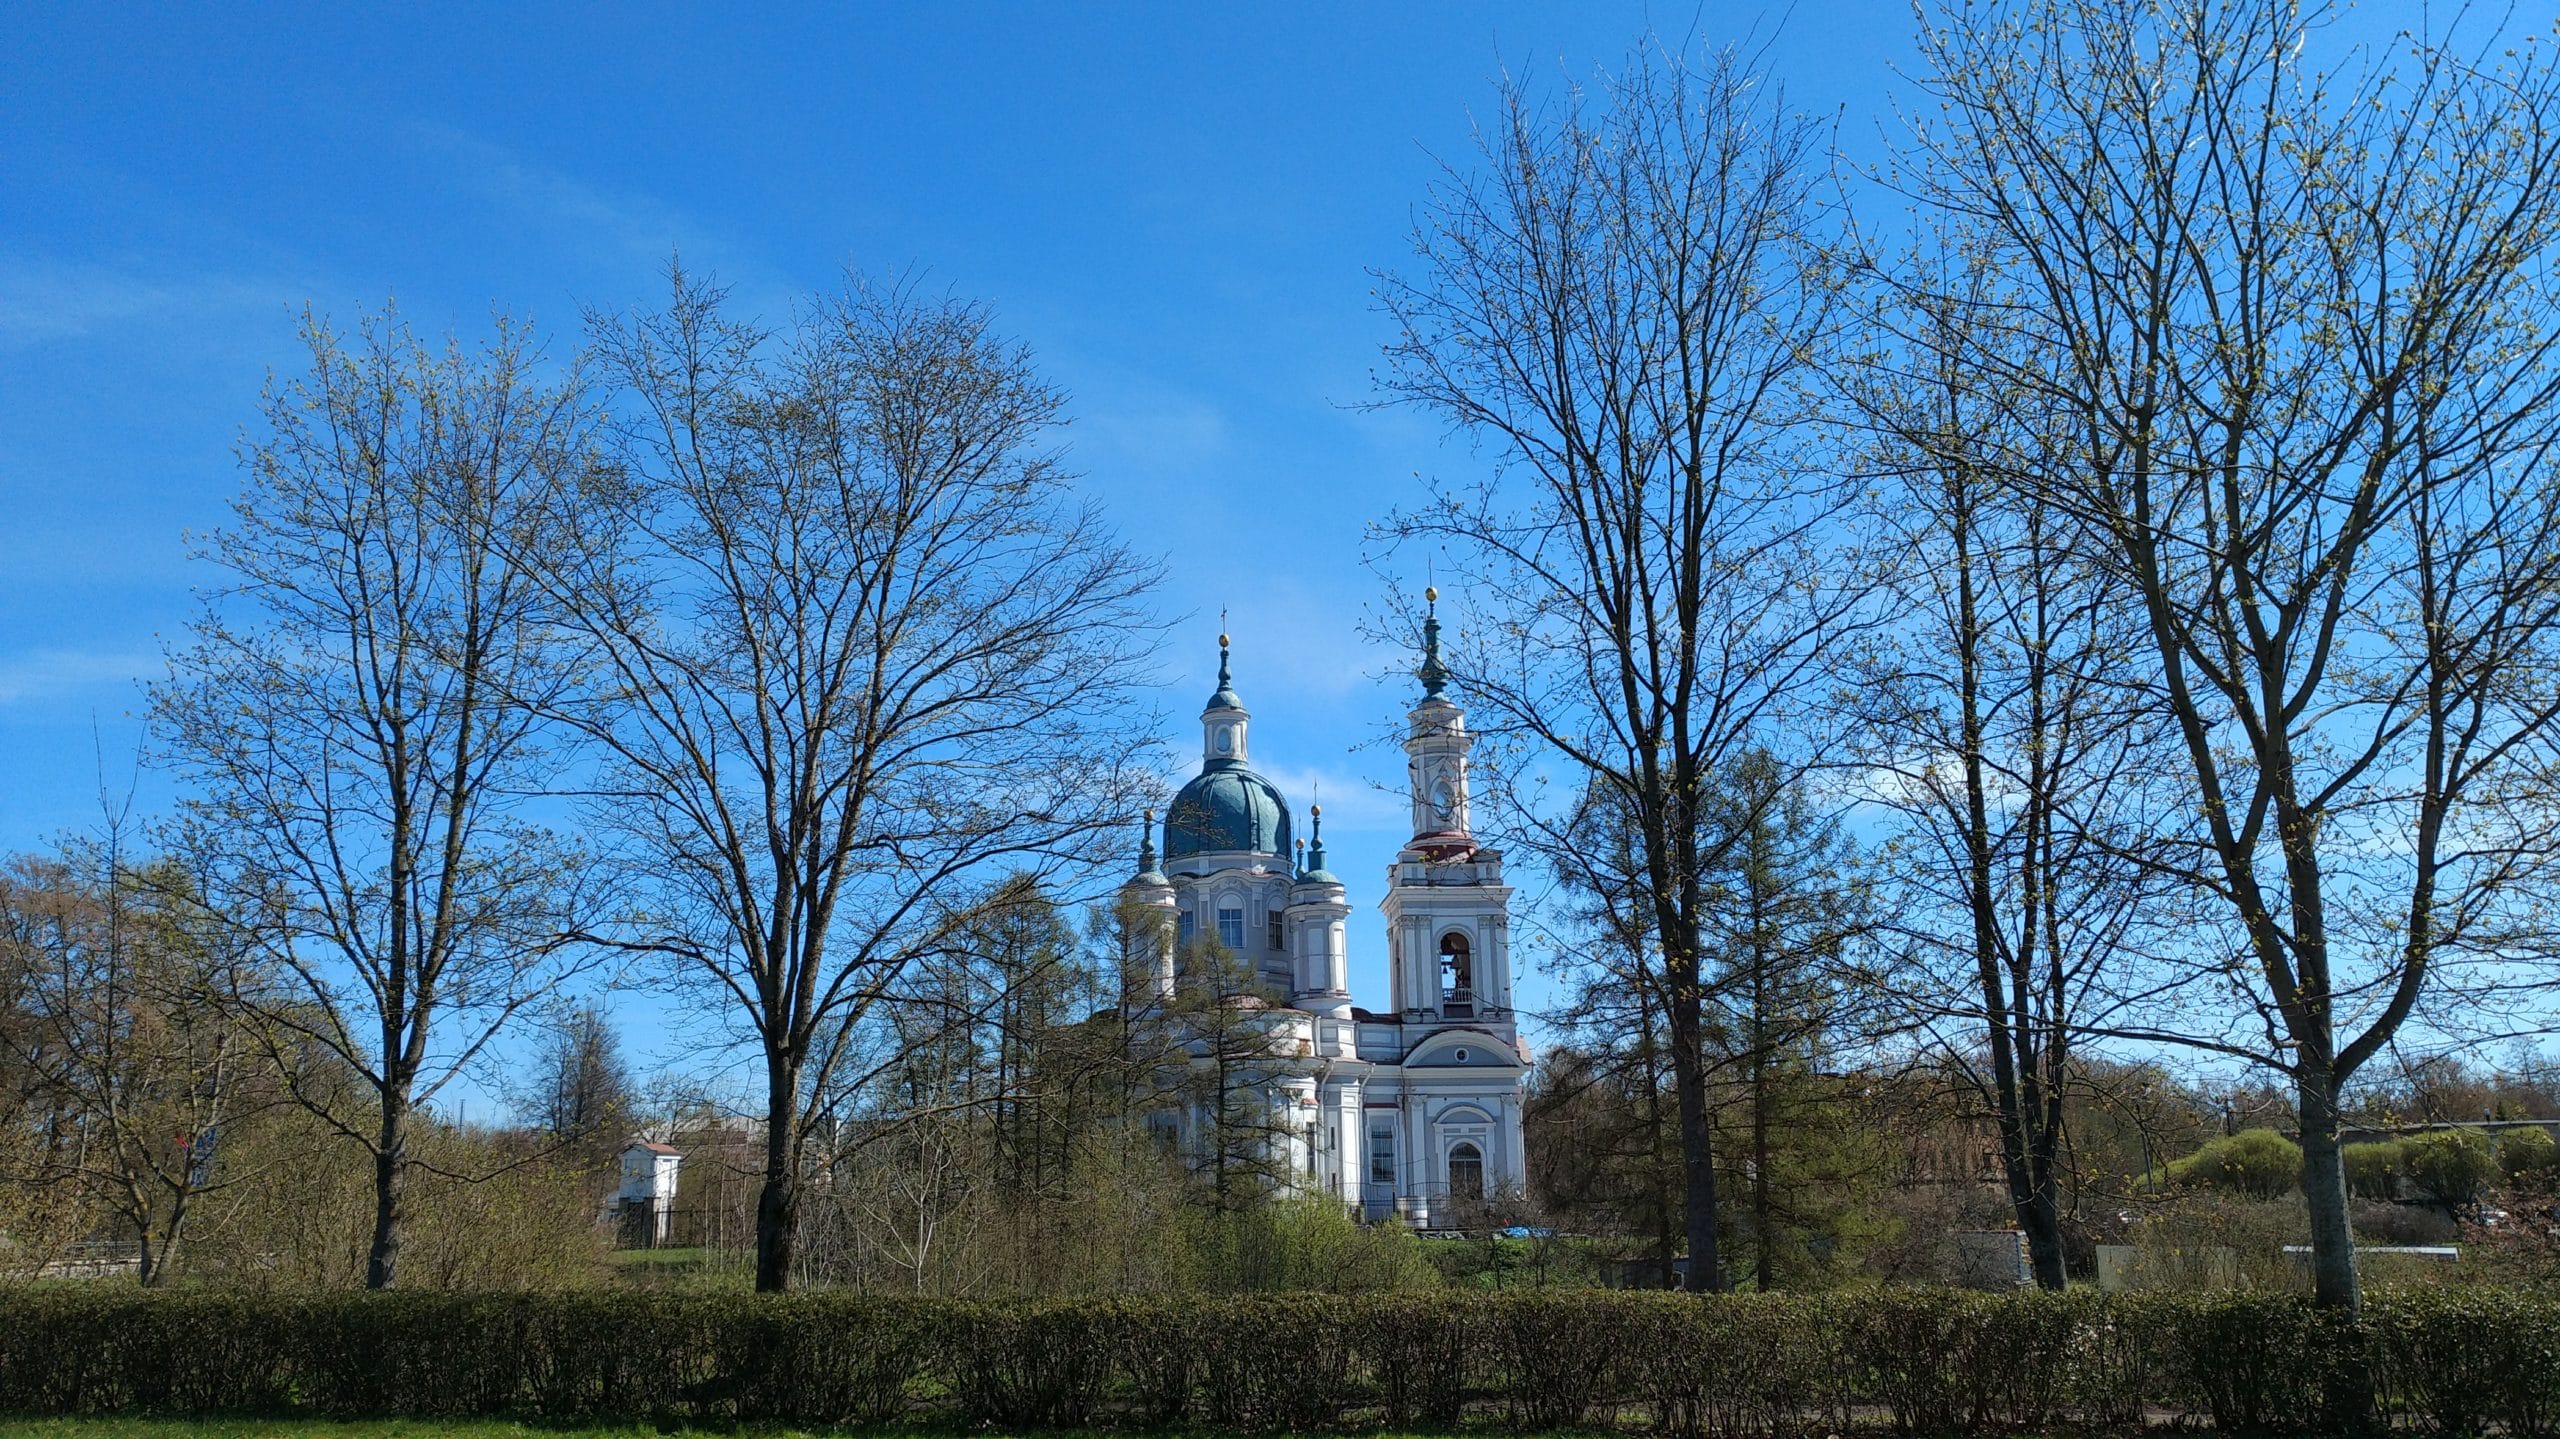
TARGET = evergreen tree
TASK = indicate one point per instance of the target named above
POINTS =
(1786, 908)
(1223, 1017)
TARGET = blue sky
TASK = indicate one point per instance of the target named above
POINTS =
(1174, 205)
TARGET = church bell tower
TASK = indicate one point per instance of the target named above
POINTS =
(1447, 907)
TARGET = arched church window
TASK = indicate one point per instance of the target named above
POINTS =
(1231, 928)
(1458, 962)
(1466, 1172)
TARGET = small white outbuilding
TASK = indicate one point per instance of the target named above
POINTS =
(645, 1204)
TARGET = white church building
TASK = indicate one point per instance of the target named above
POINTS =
(1399, 1110)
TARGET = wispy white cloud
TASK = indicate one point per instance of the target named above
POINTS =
(52, 673)
(1145, 425)
(1351, 800)
(591, 215)
(44, 300)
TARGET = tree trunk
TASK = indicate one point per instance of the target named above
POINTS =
(778, 1202)
(2349, 1394)
(156, 1258)
(390, 1182)
(1764, 1253)
(1697, 1143)
(2041, 1217)
(1666, 1243)
(2030, 1183)
(2324, 1190)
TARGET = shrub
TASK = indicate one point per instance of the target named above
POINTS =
(1029, 1365)
(2258, 1163)
(1559, 1354)
(1159, 1352)
(2448, 1362)
(2206, 1239)
(2528, 1153)
(1275, 1361)
(2373, 1170)
(2461, 1361)
(1947, 1360)
(1418, 1352)
(2252, 1363)
(2451, 1166)
(2379, 1223)
(1746, 1365)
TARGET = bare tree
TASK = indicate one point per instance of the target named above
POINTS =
(2002, 737)
(118, 1020)
(47, 1205)
(584, 1096)
(857, 655)
(1620, 305)
(356, 709)
(2300, 323)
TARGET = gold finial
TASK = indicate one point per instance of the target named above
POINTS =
(1223, 642)
(1315, 809)
(1431, 594)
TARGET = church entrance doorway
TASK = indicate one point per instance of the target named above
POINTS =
(1466, 1172)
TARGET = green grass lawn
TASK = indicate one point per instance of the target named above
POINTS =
(688, 1269)
(341, 1430)
(658, 1258)
(111, 1428)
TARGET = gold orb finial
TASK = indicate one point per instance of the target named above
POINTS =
(1222, 642)
(1315, 809)
(1431, 594)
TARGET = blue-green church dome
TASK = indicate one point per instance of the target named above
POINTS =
(1226, 807)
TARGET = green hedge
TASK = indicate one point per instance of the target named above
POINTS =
(1919, 1362)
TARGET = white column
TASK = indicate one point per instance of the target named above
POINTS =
(1414, 1173)
(1421, 964)
(1515, 1162)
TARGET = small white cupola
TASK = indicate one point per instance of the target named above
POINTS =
(1436, 744)
(1222, 724)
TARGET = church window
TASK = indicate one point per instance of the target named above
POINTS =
(1382, 1154)
(1466, 1172)
(1184, 928)
(1460, 964)
(1279, 939)
(1231, 927)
